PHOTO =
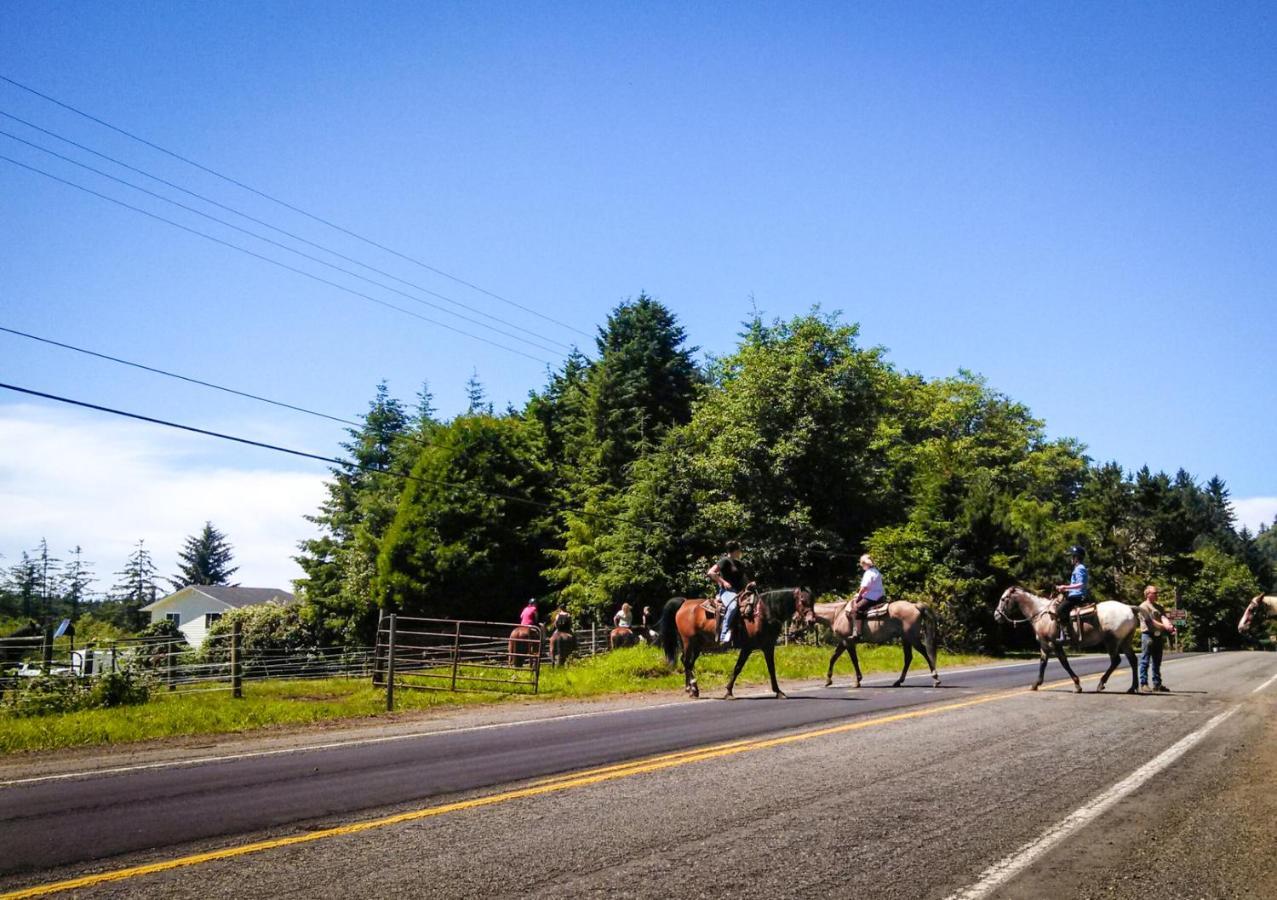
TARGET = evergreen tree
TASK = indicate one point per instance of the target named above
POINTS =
(136, 588)
(205, 558)
(24, 576)
(476, 396)
(47, 573)
(76, 579)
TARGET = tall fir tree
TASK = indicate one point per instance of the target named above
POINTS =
(76, 580)
(205, 558)
(137, 587)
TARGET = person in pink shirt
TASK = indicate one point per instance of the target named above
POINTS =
(529, 614)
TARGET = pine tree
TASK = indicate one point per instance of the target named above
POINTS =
(76, 578)
(25, 578)
(137, 587)
(47, 573)
(204, 559)
(476, 396)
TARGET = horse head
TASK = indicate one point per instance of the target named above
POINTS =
(1256, 608)
(1010, 599)
(804, 608)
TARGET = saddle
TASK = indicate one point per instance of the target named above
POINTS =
(878, 611)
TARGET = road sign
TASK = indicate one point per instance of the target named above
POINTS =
(62, 629)
(1177, 615)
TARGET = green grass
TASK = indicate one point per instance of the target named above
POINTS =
(299, 703)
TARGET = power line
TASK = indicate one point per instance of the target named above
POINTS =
(265, 224)
(286, 205)
(300, 253)
(274, 262)
(304, 454)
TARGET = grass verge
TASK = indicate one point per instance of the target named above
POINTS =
(296, 703)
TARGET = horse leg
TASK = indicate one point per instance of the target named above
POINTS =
(855, 660)
(689, 669)
(1135, 673)
(931, 663)
(1064, 661)
(829, 677)
(1114, 661)
(740, 664)
(908, 661)
(769, 654)
(1041, 667)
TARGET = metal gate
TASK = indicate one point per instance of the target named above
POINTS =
(455, 655)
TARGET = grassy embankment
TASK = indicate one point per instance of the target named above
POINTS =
(293, 703)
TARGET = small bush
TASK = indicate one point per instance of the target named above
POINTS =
(119, 689)
(50, 694)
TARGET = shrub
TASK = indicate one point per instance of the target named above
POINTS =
(49, 694)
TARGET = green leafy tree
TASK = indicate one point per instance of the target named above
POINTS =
(205, 558)
(1215, 598)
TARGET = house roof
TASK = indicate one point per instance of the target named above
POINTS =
(233, 597)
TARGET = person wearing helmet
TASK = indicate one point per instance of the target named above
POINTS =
(1076, 593)
(529, 615)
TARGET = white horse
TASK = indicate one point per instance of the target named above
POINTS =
(1261, 607)
(1115, 622)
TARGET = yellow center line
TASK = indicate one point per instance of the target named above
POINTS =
(573, 780)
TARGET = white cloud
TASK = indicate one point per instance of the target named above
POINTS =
(103, 485)
(1255, 511)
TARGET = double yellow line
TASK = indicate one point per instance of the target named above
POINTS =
(578, 779)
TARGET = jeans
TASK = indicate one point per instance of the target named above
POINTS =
(1151, 650)
(728, 599)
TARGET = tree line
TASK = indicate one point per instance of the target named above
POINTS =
(43, 587)
(625, 474)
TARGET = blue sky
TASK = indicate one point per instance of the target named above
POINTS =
(1075, 200)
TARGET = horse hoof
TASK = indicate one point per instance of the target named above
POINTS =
(1036, 686)
(857, 683)
(1099, 687)
(1077, 688)
(1132, 691)
(729, 696)
(936, 683)
(781, 695)
(829, 682)
(898, 683)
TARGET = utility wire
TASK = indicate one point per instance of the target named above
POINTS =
(296, 209)
(346, 464)
(296, 237)
(284, 246)
(274, 262)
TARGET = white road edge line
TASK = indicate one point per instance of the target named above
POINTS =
(1001, 872)
(363, 742)
(1264, 685)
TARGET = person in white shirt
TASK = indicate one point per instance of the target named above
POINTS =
(871, 592)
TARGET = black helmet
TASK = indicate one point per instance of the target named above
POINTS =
(1077, 551)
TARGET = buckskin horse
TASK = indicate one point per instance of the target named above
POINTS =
(562, 640)
(915, 625)
(688, 622)
(1258, 609)
(1109, 627)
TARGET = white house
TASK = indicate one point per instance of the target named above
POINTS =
(197, 606)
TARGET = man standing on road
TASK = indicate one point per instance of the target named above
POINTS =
(729, 574)
(1075, 594)
(1153, 631)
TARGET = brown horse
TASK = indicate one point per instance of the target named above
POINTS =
(1257, 610)
(562, 640)
(524, 646)
(687, 621)
(914, 625)
(623, 637)
(1109, 627)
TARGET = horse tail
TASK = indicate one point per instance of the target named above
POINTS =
(928, 617)
(669, 630)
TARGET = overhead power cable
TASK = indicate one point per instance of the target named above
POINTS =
(274, 262)
(289, 206)
(318, 457)
(296, 237)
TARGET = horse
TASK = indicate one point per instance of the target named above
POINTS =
(562, 640)
(1258, 609)
(1116, 621)
(915, 625)
(623, 637)
(17, 644)
(524, 643)
(686, 621)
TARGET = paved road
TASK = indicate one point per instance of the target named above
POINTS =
(894, 793)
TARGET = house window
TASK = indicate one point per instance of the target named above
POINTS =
(175, 618)
(210, 618)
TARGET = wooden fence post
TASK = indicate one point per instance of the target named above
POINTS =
(237, 686)
(390, 667)
(456, 654)
(378, 655)
(172, 665)
(46, 650)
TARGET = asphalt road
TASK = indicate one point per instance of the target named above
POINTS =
(912, 792)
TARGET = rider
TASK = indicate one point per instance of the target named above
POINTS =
(529, 615)
(1075, 594)
(624, 617)
(729, 574)
(870, 594)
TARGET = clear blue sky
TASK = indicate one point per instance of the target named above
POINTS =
(1075, 200)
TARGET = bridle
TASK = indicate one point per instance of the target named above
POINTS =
(1000, 616)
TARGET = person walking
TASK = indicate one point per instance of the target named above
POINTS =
(871, 593)
(1153, 630)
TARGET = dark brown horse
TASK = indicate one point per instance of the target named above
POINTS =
(525, 645)
(688, 621)
(562, 640)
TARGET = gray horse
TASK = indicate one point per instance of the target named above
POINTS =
(1111, 630)
(1258, 609)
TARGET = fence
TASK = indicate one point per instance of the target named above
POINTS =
(455, 655)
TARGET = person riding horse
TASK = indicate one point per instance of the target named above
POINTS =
(1076, 593)
(729, 575)
(871, 593)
